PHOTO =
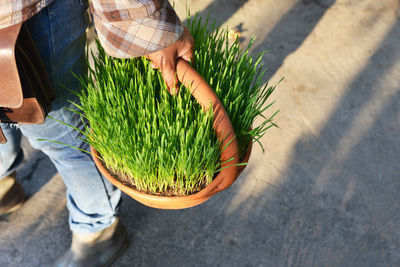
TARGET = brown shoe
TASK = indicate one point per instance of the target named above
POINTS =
(98, 249)
(11, 195)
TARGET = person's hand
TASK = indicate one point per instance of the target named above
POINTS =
(165, 60)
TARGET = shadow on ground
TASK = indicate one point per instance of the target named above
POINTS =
(329, 208)
(290, 32)
(222, 10)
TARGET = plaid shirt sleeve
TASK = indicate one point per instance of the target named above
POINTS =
(16, 11)
(132, 28)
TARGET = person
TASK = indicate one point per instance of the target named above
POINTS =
(128, 28)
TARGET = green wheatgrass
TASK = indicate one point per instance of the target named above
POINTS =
(163, 144)
(159, 143)
(236, 78)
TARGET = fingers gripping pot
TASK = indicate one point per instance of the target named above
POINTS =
(228, 146)
(26, 91)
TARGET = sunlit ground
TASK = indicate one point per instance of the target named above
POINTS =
(324, 192)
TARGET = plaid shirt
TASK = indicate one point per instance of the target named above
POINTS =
(125, 28)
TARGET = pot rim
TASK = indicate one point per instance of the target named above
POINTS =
(160, 202)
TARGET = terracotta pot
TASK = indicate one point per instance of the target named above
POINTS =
(245, 158)
(223, 128)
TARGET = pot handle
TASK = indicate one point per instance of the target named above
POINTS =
(204, 95)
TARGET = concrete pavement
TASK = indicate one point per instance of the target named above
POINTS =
(324, 193)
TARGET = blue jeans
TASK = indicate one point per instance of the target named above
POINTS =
(59, 31)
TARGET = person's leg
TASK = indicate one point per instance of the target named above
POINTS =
(11, 192)
(59, 32)
(11, 154)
